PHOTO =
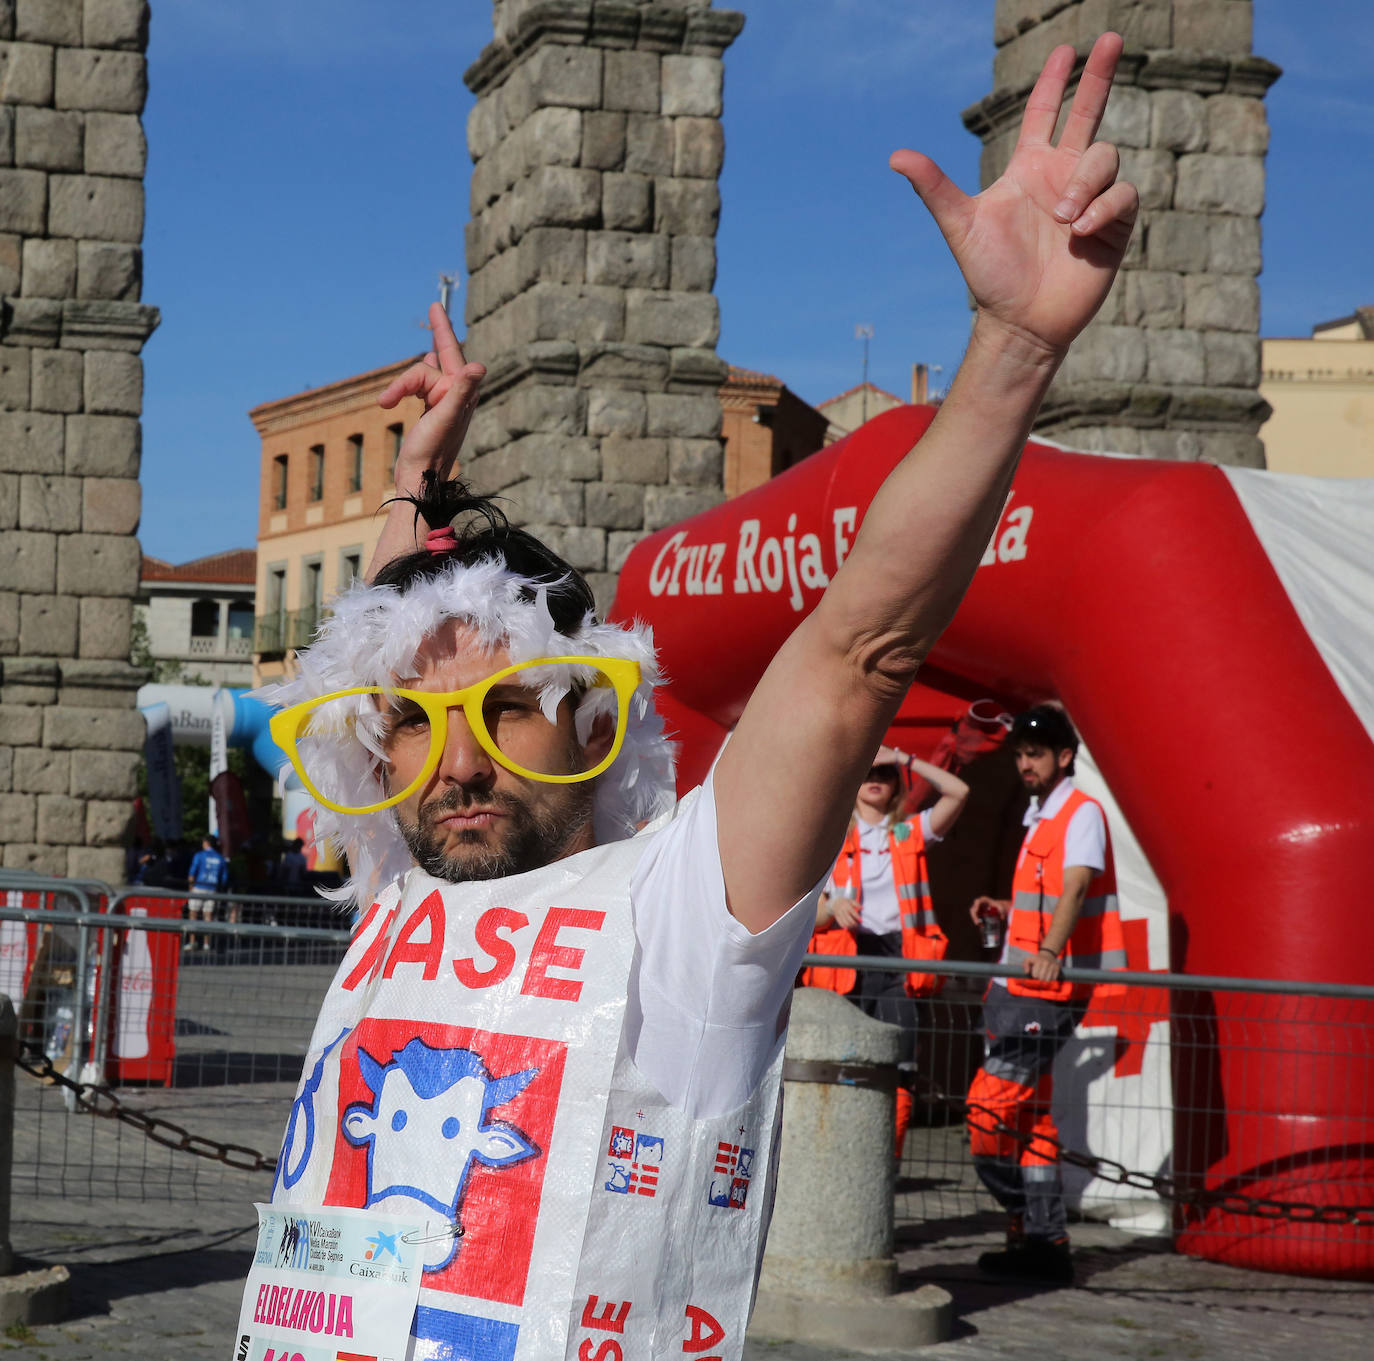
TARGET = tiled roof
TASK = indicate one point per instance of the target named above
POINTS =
(752, 377)
(237, 565)
(859, 387)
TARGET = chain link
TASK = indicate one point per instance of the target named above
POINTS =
(1162, 1185)
(102, 1101)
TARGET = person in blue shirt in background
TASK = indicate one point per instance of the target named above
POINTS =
(209, 873)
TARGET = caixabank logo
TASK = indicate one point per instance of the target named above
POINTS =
(454, 1124)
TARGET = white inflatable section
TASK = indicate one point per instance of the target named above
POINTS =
(1318, 533)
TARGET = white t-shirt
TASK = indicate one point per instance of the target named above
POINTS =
(880, 911)
(708, 1000)
(1085, 841)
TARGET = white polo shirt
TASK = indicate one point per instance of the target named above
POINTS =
(880, 911)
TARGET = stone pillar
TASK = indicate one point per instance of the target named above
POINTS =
(591, 253)
(1170, 368)
(72, 84)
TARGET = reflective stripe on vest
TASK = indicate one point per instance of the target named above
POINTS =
(910, 878)
(1097, 941)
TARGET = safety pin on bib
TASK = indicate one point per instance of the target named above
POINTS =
(450, 1230)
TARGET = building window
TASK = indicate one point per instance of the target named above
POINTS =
(397, 434)
(272, 624)
(355, 463)
(279, 482)
(205, 619)
(350, 569)
(317, 472)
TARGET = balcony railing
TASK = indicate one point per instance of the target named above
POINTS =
(303, 625)
(296, 629)
(232, 646)
(270, 633)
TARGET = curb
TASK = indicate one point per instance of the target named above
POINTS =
(914, 1318)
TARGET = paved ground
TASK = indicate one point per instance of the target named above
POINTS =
(158, 1243)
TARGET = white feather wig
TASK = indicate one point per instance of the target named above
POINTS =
(373, 636)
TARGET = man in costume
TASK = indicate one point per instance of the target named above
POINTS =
(1063, 909)
(558, 1030)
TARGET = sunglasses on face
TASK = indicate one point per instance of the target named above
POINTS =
(885, 773)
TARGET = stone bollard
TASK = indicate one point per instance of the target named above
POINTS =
(829, 1276)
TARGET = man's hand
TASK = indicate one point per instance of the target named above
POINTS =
(984, 906)
(1043, 966)
(1040, 247)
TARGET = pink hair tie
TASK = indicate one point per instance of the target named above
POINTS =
(441, 540)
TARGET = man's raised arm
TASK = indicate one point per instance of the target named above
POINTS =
(1039, 250)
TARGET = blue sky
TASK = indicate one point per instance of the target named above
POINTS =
(307, 181)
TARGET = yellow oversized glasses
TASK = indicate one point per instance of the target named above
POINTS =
(508, 714)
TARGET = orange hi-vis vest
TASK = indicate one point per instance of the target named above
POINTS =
(921, 934)
(1097, 941)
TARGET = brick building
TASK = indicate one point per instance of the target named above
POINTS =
(198, 615)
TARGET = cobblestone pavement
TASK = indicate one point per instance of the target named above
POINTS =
(158, 1243)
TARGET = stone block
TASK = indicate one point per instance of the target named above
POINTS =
(49, 268)
(554, 74)
(545, 408)
(90, 324)
(32, 321)
(110, 505)
(21, 725)
(693, 264)
(497, 282)
(1179, 242)
(62, 819)
(486, 124)
(14, 379)
(30, 442)
(100, 683)
(1111, 353)
(648, 145)
(541, 501)
(627, 259)
(1221, 302)
(1220, 184)
(107, 821)
(29, 680)
(48, 139)
(554, 255)
(686, 207)
(1144, 24)
(693, 86)
(104, 864)
(9, 500)
(668, 505)
(565, 458)
(558, 196)
(613, 411)
(49, 503)
(1173, 357)
(93, 78)
(67, 727)
(107, 270)
(49, 21)
(103, 446)
(36, 859)
(56, 380)
(638, 368)
(106, 774)
(23, 202)
(1017, 63)
(669, 318)
(572, 312)
(1231, 359)
(32, 561)
(615, 506)
(116, 23)
(11, 264)
(683, 416)
(627, 202)
(696, 463)
(98, 565)
(620, 543)
(1234, 245)
(113, 383)
(1207, 26)
(6, 134)
(26, 75)
(1237, 126)
(104, 628)
(1153, 299)
(550, 136)
(582, 546)
(96, 206)
(603, 140)
(631, 81)
(9, 629)
(18, 816)
(698, 148)
(634, 460)
(40, 771)
(1126, 121)
(1152, 173)
(1178, 120)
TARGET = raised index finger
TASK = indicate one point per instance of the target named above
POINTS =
(446, 344)
(1042, 108)
(1090, 100)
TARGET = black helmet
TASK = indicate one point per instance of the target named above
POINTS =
(1045, 726)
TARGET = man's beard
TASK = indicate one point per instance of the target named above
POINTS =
(534, 837)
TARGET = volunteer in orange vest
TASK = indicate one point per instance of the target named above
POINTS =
(878, 901)
(1063, 910)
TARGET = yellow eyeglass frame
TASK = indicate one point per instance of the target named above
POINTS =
(286, 726)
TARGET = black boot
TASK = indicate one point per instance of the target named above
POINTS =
(1034, 1259)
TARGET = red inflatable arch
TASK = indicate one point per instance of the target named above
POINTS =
(1137, 593)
